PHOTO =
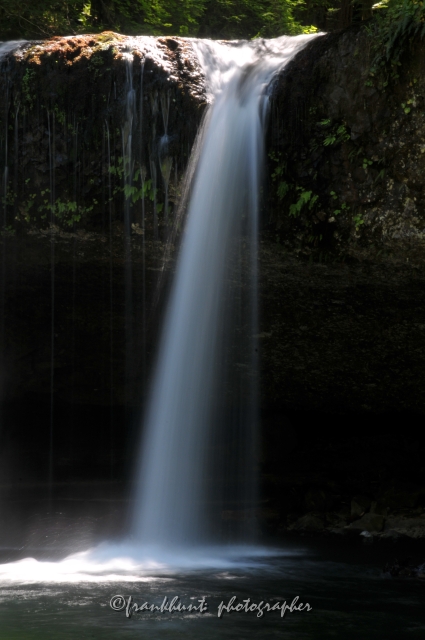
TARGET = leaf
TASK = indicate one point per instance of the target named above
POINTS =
(329, 140)
(282, 190)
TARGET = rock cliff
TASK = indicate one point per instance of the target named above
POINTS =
(95, 137)
(96, 132)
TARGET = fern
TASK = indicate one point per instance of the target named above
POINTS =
(393, 29)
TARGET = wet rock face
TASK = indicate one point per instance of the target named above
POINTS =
(350, 142)
(89, 121)
(65, 319)
(95, 135)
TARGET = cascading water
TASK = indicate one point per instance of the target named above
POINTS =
(198, 452)
(128, 174)
(203, 395)
(205, 350)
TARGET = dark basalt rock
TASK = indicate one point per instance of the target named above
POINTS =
(354, 138)
(404, 568)
(342, 290)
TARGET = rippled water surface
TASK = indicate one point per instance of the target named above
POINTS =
(349, 596)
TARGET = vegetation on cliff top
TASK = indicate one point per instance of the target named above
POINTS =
(209, 18)
(204, 18)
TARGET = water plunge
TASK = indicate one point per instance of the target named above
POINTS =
(204, 386)
(197, 458)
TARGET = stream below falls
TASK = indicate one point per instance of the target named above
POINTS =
(344, 585)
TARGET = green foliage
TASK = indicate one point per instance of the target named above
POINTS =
(208, 18)
(7, 230)
(396, 23)
(405, 106)
(333, 133)
(358, 220)
(66, 212)
(136, 194)
(380, 176)
(231, 19)
(156, 17)
(343, 207)
(132, 191)
(282, 189)
(9, 198)
(39, 18)
(306, 199)
(59, 115)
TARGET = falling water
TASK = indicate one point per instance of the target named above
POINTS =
(204, 385)
(51, 136)
(111, 304)
(154, 189)
(128, 167)
(142, 180)
(165, 161)
(201, 416)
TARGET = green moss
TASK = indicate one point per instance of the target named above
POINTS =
(109, 36)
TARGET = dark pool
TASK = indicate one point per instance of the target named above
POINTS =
(349, 595)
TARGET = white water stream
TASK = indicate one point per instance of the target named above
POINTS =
(196, 361)
(204, 387)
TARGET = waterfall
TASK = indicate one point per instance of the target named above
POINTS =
(200, 423)
(127, 133)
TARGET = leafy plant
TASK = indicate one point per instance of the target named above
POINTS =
(282, 189)
(342, 207)
(405, 107)
(306, 198)
(358, 221)
(226, 19)
(395, 25)
(336, 135)
(380, 176)
(68, 212)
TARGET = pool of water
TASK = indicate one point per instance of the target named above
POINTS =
(349, 597)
